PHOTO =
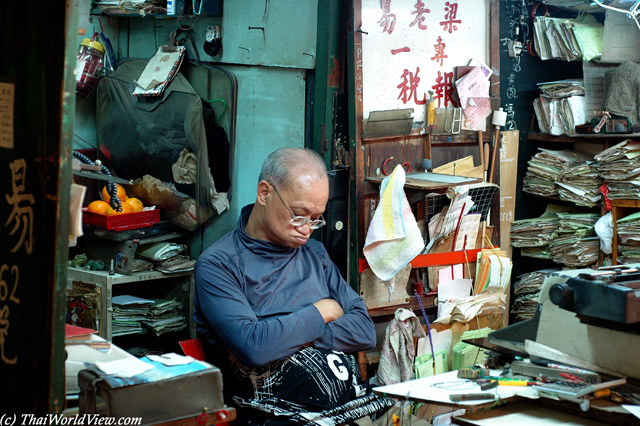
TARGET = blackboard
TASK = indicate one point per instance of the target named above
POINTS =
(518, 79)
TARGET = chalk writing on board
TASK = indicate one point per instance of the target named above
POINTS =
(6, 115)
(21, 215)
(5, 311)
(420, 10)
(439, 48)
(450, 21)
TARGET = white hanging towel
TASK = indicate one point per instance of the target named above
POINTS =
(393, 238)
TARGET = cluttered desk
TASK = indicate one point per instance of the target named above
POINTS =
(579, 353)
(167, 389)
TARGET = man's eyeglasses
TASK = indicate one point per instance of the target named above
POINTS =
(301, 220)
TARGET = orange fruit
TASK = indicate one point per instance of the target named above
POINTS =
(121, 193)
(126, 208)
(135, 203)
(98, 206)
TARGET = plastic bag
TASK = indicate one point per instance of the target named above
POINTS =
(604, 230)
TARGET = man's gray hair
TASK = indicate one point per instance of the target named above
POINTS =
(280, 163)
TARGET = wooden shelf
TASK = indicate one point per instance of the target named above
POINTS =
(421, 182)
(428, 301)
(625, 203)
(589, 138)
(437, 259)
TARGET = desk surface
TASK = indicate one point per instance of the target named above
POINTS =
(436, 389)
(523, 412)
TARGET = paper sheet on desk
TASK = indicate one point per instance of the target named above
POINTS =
(127, 367)
(633, 409)
(438, 389)
(171, 359)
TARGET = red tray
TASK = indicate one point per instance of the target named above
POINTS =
(123, 221)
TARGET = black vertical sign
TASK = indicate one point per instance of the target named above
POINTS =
(34, 188)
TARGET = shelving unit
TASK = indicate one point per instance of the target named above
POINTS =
(618, 211)
(106, 283)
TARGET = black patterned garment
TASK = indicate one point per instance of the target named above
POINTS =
(313, 386)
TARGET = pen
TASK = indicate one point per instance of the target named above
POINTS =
(517, 383)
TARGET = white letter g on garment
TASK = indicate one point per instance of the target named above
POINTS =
(340, 371)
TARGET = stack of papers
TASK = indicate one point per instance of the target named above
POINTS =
(575, 250)
(580, 185)
(165, 316)
(629, 238)
(619, 166)
(493, 271)
(165, 257)
(466, 355)
(568, 39)
(549, 166)
(130, 313)
(576, 244)
(559, 113)
(424, 365)
(526, 292)
(534, 232)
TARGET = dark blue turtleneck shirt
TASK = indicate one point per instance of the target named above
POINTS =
(256, 298)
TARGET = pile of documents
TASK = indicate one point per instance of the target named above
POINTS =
(165, 257)
(576, 244)
(533, 235)
(580, 185)
(568, 39)
(526, 292)
(466, 355)
(165, 316)
(493, 271)
(424, 365)
(130, 313)
(548, 167)
(560, 107)
(629, 238)
(619, 166)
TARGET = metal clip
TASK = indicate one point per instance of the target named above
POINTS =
(456, 122)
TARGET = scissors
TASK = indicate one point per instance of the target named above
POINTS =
(384, 164)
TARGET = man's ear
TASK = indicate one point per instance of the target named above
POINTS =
(263, 192)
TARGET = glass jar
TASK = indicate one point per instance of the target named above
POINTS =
(89, 65)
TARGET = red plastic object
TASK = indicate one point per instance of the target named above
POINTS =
(122, 222)
(193, 348)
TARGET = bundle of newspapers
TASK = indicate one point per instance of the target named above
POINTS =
(526, 292)
(576, 243)
(560, 107)
(534, 235)
(560, 234)
(580, 184)
(578, 39)
(629, 238)
(619, 166)
(548, 167)
(133, 315)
